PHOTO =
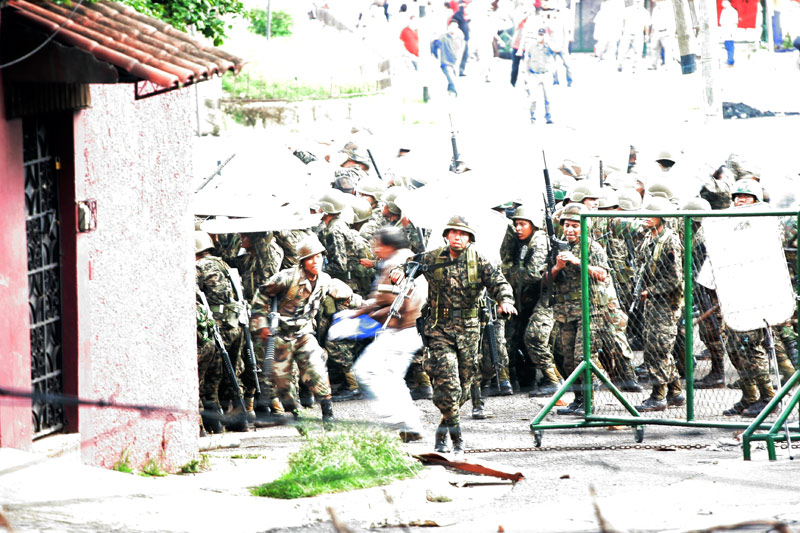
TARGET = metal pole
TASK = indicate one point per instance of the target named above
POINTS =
(687, 56)
(269, 19)
(424, 52)
(688, 322)
(768, 12)
(708, 65)
(585, 323)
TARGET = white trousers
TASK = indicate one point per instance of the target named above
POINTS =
(381, 370)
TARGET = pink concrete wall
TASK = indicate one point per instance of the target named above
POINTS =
(136, 275)
(15, 343)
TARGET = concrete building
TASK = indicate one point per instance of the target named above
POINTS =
(96, 249)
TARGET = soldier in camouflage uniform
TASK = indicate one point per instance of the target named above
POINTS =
(262, 261)
(288, 241)
(456, 278)
(343, 247)
(214, 280)
(301, 290)
(209, 367)
(613, 234)
(662, 296)
(565, 277)
(524, 261)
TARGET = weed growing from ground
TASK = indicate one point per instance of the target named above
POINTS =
(152, 468)
(342, 460)
(196, 466)
(123, 464)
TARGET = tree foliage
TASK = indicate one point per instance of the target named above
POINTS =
(280, 24)
(205, 16)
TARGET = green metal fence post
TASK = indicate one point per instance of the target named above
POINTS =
(688, 321)
(585, 323)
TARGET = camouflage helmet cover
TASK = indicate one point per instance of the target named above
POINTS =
(609, 198)
(309, 246)
(658, 203)
(460, 223)
(629, 199)
(660, 189)
(572, 211)
(696, 204)
(585, 190)
(533, 215)
(331, 204)
(362, 210)
(202, 241)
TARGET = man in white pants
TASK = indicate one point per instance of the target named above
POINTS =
(383, 364)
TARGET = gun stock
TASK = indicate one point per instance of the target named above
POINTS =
(244, 321)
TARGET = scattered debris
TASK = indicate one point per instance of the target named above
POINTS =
(338, 525)
(565, 476)
(476, 468)
(604, 526)
(773, 525)
(436, 498)
(735, 110)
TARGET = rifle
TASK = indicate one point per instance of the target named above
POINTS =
(269, 344)
(638, 280)
(456, 163)
(374, 165)
(490, 308)
(227, 367)
(244, 321)
(219, 168)
(404, 290)
(556, 244)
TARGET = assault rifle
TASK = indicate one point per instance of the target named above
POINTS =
(244, 321)
(404, 290)
(456, 165)
(556, 244)
(227, 366)
(374, 165)
(490, 310)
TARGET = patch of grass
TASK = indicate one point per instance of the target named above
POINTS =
(123, 464)
(195, 466)
(247, 456)
(342, 460)
(248, 87)
(152, 468)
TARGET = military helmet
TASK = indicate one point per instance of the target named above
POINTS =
(572, 211)
(696, 204)
(369, 188)
(331, 203)
(660, 189)
(609, 198)
(585, 190)
(460, 223)
(665, 155)
(629, 199)
(616, 180)
(309, 246)
(388, 198)
(562, 185)
(362, 210)
(532, 214)
(658, 203)
(202, 241)
(749, 186)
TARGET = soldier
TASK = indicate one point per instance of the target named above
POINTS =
(523, 266)
(565, 277)
(456, 276)
(209, 369)
(300, 291)
(343, 248)
(662, 296)
(213, 279)
(262, 261)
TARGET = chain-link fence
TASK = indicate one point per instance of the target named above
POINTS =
(684, 340)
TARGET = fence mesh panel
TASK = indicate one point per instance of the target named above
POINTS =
(638, 325)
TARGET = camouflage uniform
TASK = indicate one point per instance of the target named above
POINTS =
(299, 302)
(662, 278)
(375, 223)
(617, 354)
(567, 310)
(209, 364)
(452, 328)
(213, 279)
(287, 240)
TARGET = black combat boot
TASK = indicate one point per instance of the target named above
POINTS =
(327, 413)
(458, 442)
(441, 439)
(478, 412)
(212, 417)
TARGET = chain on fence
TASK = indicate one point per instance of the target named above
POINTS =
(638, 318)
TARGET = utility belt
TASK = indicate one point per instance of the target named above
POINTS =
(597, 298)
(452, 312)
